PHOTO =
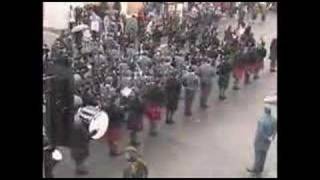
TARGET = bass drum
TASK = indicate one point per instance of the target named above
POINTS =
(95, 118)
(100, 123)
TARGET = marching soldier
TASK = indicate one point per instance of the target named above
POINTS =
(136, 167)
(173, 89)
(261, 52)
(190, 82)
(135, 110)
(206, 73)
(114, 130)
(51, 156)
(238, 68)
(154, 98)
(81, 139)
(273, 55)
(224, 70)
(248, 63)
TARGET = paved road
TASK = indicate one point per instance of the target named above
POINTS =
(220, 145)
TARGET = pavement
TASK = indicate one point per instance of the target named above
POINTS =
(218, 143)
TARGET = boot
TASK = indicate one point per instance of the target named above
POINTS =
(235, 87)
(81, 169)
(169, 120)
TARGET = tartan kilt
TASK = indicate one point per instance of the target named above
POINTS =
(135, 123)
(252, 67)
(259, 66)
(238, 72)
(153, 112)
(113, 134)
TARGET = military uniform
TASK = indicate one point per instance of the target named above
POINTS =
(173, 89)
(206, 73)
(114, 133)
(135, 118)
(238, 69)
(154, 97)
(273, 55)
(261, 54)
(224, 71)
(136, 167)
(190, 82)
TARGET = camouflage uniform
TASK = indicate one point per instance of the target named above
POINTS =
(136, 167)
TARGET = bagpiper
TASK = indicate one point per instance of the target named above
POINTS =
(154, 100)
(206, 73)
(173, 90)
(273, 55)
(261, 52)
(224, 70)
(190, 81)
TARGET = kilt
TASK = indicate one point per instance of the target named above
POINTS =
(250, 67)
(238, 72)
(172, 104)
(153, 112)
(259, 66)
(135, 123)
(113, 134)
(223, 81)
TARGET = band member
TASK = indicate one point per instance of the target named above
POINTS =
(261, 52)
(62, 108)
(223, 70)
(135, 110)
(49, 156)
(190, 82)
(238, 68)
(113, 134)
(273, 55)
(136, 167)
(81, 138)
(206, 73)
(154, 98)
(250, 61)
(173, 90)
(265, 133)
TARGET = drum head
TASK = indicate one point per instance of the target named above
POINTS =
(99, 123)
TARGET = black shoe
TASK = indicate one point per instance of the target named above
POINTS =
(220, 97)
(252, 170)
(153, 134)
(204, 106)
(169, 122)
(223, 97)
(256, 77)
(236, 88)
(114, 154)
(272, 70)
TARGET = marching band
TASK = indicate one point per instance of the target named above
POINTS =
(114, 82)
